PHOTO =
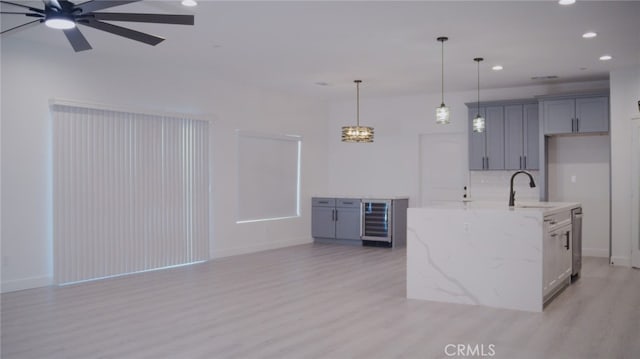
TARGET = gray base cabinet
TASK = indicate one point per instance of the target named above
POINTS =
(335, 218)
(575, 114)
(375, 222)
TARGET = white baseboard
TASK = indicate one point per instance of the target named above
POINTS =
(595, 252)
(621, 261)
(227, 252)
(27, 283)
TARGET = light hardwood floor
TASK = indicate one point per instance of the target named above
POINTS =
(311, 301)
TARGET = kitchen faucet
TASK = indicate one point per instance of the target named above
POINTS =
(512, 193)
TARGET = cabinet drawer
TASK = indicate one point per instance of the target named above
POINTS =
(323, 202)
(554, 221)
(348, 203)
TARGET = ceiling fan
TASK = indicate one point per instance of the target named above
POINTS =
(65, 15)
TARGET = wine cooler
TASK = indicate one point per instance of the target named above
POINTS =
(384, 222)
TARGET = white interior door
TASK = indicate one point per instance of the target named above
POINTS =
(443, 167)
(635, 197)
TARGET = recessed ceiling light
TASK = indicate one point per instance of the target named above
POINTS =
(606, 57)
(189, 3)
(497, 68)
(566, 2)
(589, 35)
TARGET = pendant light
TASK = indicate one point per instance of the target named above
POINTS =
(478, 121)
(442, 112)
(357, 133)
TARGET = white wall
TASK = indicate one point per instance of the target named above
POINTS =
(625, 93)
(32, 75)
(390, 165)
(578, 171)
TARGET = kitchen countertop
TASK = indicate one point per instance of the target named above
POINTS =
(479, 253)
(351, 196)
(544, 208)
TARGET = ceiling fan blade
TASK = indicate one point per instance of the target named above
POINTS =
(123, 31)
(52, 3)
(77, 40)
(153, 18)
(24, 6)
(20, 26)
(18, 13)
(95, 5)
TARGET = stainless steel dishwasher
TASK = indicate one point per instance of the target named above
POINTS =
(576, 241)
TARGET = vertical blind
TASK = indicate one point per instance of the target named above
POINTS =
(130, 192)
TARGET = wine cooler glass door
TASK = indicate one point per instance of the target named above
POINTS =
(376, 220)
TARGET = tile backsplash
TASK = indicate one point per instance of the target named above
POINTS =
(494, 186)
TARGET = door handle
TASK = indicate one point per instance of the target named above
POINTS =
(333, 215)
(487, 162)
(573, 125)
(567, 244)
(525, 162)
(520, 162)
(577, 125)
(336, 215)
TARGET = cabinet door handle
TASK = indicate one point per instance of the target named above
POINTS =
(336, 215)
(577, 125)
(333, 215)
(573, 125)
(525, 162)
(567, 244)
(487, 162)
(520, 162)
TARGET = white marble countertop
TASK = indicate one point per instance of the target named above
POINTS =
(544, 208)
(481, 253)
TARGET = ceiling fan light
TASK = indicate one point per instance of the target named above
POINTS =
(443, 115)
(189, 3)
(60, 23)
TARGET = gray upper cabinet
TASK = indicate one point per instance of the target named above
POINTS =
(583, 114)
(486, 149)
(592, 114)
(521, 136)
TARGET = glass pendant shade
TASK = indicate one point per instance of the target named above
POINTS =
(478, 124)
(357, 133)
(442, 112)
(442, 115)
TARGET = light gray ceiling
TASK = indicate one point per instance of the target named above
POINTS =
(391, 46)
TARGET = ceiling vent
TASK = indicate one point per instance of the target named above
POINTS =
(550, 77)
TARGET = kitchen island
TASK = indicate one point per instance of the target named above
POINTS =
(485, 253)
